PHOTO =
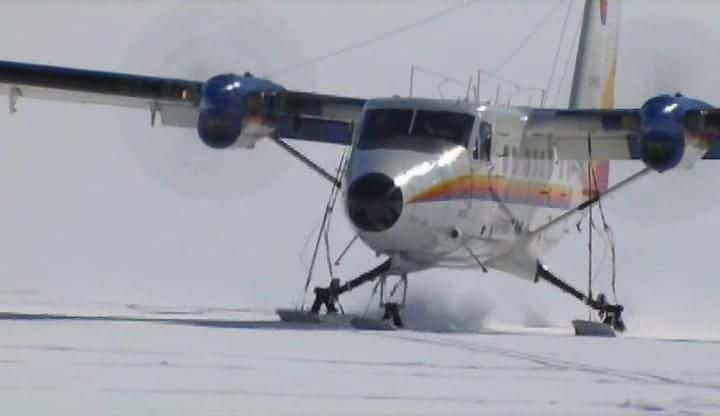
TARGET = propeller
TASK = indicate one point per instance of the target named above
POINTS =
(240, 39)
(660, 56)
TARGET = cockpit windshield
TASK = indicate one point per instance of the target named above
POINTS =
(401, 128)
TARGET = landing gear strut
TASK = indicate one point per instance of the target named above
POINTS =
(611, 315)
(392, 312)
(328, 296)
(392, 309)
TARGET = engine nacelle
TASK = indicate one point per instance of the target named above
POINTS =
(664, 140)
(226, 118)
(219, 130)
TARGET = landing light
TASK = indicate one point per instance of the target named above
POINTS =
(670, 108)
(233, 86)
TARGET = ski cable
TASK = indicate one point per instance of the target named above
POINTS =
(377, 38)
(556, 59)
(331, 208)
(334, 192)
(590, 226)
(611, 240)
(568, 62)
(534, 31)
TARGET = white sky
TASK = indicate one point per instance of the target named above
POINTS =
(99, 207)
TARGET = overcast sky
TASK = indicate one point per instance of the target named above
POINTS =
(98, 207)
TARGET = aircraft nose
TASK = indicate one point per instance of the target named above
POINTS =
(374, 203)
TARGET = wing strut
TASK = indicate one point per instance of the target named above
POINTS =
(13, 98)
(594, 200)
(305, 160)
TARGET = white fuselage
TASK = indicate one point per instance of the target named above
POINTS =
(466, 199)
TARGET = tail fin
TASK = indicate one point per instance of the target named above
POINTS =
(596, 65)
(593, 84)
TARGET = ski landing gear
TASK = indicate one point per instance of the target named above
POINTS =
(611, 315)
(328, 297)
(391, 318)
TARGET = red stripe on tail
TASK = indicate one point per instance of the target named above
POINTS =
(602, 175)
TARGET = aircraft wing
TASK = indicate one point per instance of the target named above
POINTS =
(612, 133)
(178, 102)
(618, 134)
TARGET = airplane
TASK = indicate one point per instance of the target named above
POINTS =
(431, 183)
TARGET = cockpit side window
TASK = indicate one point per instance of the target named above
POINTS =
(484, 143)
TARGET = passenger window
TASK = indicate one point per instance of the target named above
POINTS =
(505, 157)
(526, 153)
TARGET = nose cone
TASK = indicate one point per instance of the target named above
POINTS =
(374, 203)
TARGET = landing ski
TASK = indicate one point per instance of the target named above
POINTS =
(362, 322)
(331, 320)
(585, 328)
(372, 324)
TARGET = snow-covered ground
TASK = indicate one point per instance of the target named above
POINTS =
(144, 360)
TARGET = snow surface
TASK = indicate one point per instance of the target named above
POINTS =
(140, 360)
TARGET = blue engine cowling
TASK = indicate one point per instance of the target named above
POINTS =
(224, 107)
(664, 139)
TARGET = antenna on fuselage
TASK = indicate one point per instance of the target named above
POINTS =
(467, 90)
(412, 79)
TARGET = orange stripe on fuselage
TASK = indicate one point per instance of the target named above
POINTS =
(498, 188)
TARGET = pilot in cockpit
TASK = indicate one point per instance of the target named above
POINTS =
(485, 137)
